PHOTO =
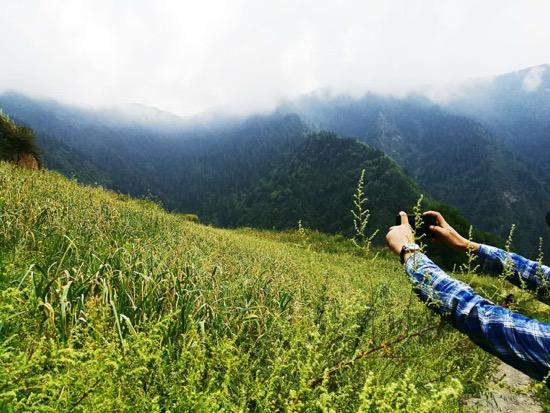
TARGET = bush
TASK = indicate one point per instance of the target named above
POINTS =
(15, 140)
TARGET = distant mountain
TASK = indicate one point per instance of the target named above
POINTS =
(141, 115)
(456, 159)
(92, 144)
(129, 116)
(313, 180)
(270, 170)
(265, 171)
(516, 107)
(58, 156)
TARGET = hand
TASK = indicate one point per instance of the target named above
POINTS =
(443, 232)
(400, 235)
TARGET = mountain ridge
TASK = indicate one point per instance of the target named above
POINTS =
(456, 159)
(424, 138)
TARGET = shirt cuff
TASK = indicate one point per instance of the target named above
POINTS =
(484, 251)
(419, 257)
(490, 258)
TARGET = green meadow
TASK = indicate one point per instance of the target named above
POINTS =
(112, 304)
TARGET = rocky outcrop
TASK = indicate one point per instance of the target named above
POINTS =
(28, 160)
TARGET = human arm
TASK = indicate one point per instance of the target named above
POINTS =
(522, 272)
(517, 340)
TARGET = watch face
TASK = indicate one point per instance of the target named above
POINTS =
(407, 248)
(411, 247)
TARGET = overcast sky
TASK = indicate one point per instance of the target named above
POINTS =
(191, 56)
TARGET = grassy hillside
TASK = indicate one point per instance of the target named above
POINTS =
(111, 304)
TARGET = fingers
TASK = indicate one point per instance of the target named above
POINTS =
(437, 230)
(438, 217)
(404, 218)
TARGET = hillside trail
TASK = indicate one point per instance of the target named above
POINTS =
(510, 391)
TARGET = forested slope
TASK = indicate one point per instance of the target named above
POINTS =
(315, 180)
(456, 159)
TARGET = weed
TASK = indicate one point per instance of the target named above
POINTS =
(361, 215)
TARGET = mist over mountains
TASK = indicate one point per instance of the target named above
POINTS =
(485, 152)
(516, 107)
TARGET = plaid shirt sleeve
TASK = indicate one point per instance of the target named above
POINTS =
(523, 272)
(517, 340)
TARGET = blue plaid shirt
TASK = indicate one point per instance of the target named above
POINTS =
(519, 341)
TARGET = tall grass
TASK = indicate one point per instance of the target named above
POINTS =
(112, 304)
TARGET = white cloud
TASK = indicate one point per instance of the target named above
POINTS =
(533, 79)
(242, 55)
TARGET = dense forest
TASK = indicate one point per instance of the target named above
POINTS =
(456, 159)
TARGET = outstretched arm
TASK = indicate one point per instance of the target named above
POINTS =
(517, 340)
(523, 272)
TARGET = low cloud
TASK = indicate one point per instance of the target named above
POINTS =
(239, 56)
(533, 79)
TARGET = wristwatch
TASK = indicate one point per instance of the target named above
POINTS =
(407, 248)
